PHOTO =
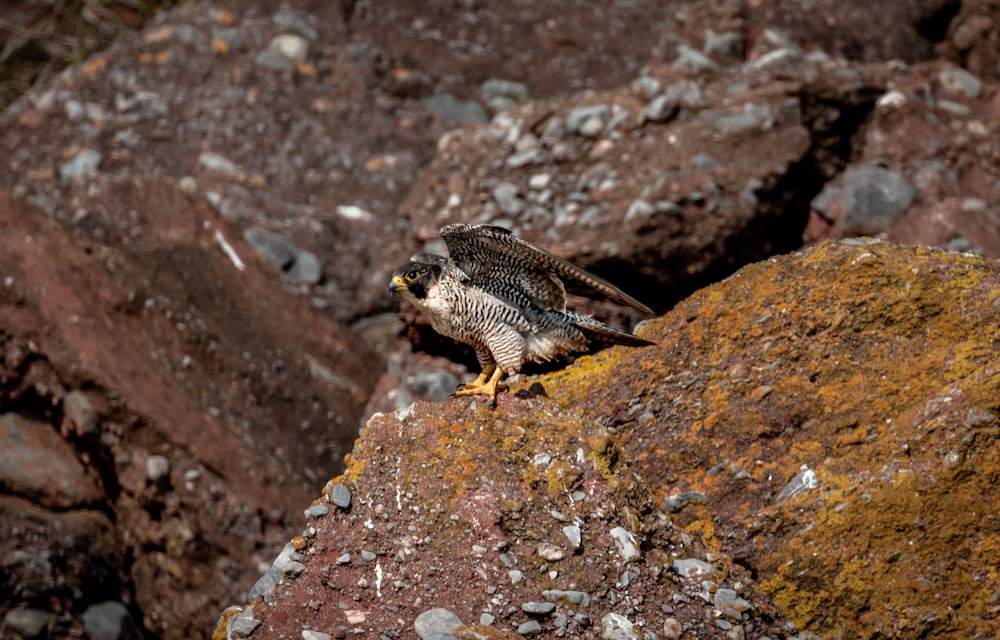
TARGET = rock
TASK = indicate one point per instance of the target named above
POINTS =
(626, 544)
(298, 265)
(573, 534)
(435, 621)
(451, 108)
(538, 608)
(693, 568)
(871, 200)
(85, 163)
(960, 82)
(506, 196)
(504, 94)
(291, 46)
(580, 599)
(677, 502)
(617, 627)
(157, 469)
(243, 624)
(529, 628)
(309, 634)
(27, 623)
(730, 604)
(339, 495)
(80, 413)
(550, 552)
(803, 482)
(37, 463)
(110, 621)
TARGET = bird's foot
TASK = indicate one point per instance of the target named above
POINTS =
(482, 386)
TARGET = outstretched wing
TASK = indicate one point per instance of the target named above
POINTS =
(506, 266)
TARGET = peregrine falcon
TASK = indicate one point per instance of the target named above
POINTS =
(506, 298)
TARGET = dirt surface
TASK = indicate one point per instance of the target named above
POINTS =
(829, 452)
(199, 222)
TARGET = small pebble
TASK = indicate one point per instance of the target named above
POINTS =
(529, 628)
(299, 543)
(340, 496)
(538, 608)
(435, 621)
(550, 552)
(625, 542)
(309, 634)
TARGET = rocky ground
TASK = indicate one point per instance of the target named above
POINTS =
(199, 221)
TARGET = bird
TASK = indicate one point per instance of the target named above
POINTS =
(506, 298)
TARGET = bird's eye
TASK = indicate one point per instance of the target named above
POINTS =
(413, 275)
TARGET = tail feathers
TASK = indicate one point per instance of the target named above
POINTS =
(600, 332)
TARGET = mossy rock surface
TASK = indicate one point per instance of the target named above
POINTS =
(870, 369)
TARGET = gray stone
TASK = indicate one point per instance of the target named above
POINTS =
(507, 198)
(486, 619)
(273, 60)
(286, 564)
(157, 468)
(109, 620)
(524, 158)
(455, 109)
(803, 482)
(693, 567)
(662, 108)
(304, 23)
(504, 94)
(215, 162)
(874, 199)
(367, 556)
(725, 47)
(309, 634)
(436, 621)
(242, 624)
(340, 496)
(434, 385)
(958, 81)
(579, 599)
(515, 576)
(573, 534)
(615, 626)
(678, 501)
(28, 623)
(646, 86)
(37, 463)
(731, 604)
(639, 210)
(317, 511)
(306, 268)
(626, 544)
(529, 628)
(538, 608)
(84, 163)
(80, 412)
(694, 60)
(577, 117)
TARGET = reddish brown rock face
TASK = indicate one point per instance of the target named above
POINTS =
(197, 224)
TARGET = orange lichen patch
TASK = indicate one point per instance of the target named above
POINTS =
(870, 363)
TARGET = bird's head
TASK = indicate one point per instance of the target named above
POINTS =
(414, 279)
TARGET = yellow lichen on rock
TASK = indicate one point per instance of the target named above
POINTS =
(872, 366)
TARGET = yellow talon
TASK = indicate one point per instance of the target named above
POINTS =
(482, 386)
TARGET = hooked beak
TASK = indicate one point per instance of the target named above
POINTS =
(396, 284)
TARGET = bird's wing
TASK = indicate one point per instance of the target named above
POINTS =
(503, 264)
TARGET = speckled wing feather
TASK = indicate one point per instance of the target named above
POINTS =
(504, 265)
